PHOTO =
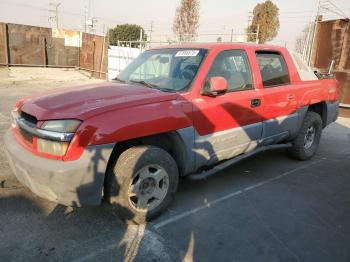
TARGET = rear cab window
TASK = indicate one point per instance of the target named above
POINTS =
(273, 69)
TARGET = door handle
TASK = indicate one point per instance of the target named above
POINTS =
(255, 102)
(291, 97)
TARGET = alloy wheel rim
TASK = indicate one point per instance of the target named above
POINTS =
(309, 137)
(148, 188)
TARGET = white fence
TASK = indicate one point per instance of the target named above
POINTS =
(119, 57)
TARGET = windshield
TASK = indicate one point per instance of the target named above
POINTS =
(164, 69)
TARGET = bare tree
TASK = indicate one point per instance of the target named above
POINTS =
(186, 20)
(302, 40)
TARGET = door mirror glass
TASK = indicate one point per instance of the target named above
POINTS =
(215, 86)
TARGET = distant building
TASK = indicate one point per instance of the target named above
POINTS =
(332, 42)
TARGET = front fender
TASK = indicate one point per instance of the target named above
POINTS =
(129, 123)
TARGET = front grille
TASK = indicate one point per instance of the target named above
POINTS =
(29, 118)
(26, 136)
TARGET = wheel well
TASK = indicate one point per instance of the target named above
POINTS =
(170, 142)
(321, 109)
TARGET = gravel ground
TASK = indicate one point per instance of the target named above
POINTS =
(20, 82)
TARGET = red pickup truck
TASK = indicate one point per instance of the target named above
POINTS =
(174, 111)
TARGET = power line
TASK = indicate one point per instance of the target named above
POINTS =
(293, 17)
(81, 15)
(327, 6)
(336, 8)
(298, 12)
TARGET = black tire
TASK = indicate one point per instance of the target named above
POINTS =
(299, 149)
(126, 169)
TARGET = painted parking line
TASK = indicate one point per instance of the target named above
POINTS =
(345, 151)
(228, 196)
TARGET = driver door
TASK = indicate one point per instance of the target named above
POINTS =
(229, 124)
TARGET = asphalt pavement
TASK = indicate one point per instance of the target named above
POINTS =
(266, 208)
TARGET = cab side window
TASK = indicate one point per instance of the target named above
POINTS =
(234, 67)
(273, 69)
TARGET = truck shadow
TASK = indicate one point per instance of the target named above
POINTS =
(33, 229)
(234, 233)
(136, 249)
(36, 230)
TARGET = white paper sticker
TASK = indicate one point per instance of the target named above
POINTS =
(187, 53)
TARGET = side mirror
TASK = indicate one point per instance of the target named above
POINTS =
(215, 86)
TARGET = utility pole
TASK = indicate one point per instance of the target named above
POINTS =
(250, 20)
(53, 14)
(89, 20)
(317, 19)
(141, 38)
(231, 35)
(223, 32)
(91, 23)
(250, 17)
(85, 17)
(150, 32)
(257, 34)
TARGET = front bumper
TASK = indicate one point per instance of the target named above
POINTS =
(71, 183)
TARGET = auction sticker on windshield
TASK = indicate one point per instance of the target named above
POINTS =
(187, 53)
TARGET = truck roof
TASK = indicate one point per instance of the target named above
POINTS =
(305, 72)
(222, 46)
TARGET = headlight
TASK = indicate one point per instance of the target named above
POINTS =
(63, 126)
(57, 148)
(52, 147)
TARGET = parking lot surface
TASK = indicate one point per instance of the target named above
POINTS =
(267, 208)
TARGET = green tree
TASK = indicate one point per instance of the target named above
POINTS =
(186, 20)
(126, 32)
(266, 17)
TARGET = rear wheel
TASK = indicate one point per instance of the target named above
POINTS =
(305, 145)
(142, 183)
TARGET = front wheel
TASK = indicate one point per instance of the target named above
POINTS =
(305, 145)
(142, 183)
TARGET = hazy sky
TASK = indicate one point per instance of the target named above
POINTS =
(216, 16)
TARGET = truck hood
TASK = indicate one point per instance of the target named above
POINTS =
(82, 102)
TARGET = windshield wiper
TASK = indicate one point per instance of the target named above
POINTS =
(170, 90)
(141, 82)
(119, 80)
(150, 85)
